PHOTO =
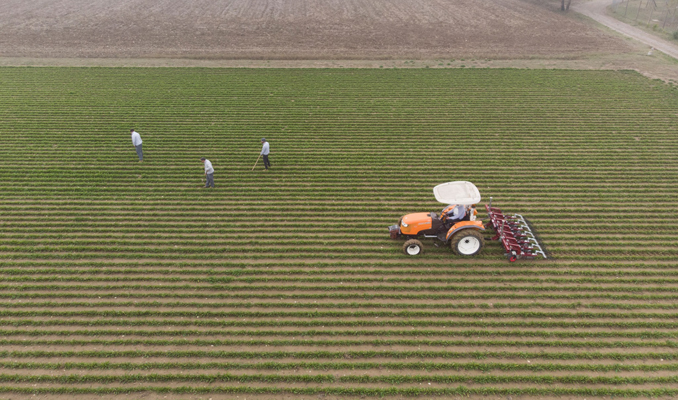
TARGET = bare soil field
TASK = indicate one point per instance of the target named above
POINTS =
(295, 29)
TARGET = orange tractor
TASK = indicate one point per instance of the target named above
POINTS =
(455, 225)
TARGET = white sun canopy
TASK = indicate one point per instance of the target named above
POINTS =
(458, 192)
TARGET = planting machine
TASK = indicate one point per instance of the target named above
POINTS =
(457, 226)
(514, 233)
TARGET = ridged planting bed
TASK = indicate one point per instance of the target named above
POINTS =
(123, 277)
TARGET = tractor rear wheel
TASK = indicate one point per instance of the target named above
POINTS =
(467, 242)
(413, 247)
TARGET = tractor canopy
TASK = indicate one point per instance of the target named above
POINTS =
(458, 192)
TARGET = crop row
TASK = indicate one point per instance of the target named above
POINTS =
(353, 354)
(188, 246)
(52, 305)
(309, 255)
(80, 294)
(653, 334)
(319, 378)
(217, 287)
(333, 366)
(460, 266)
(338, 314)
(383, 281)
(396, 273)
(343, 391)
(307, 323)
(311, 343)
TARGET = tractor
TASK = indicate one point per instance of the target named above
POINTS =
(456, 225)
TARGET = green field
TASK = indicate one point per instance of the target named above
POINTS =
(125, 278)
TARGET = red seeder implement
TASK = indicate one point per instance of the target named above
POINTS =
(514, 233)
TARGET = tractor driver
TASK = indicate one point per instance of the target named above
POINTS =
(456, 213)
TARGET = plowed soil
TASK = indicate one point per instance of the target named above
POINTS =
(294, 29)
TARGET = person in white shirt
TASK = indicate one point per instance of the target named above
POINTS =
(209, 173)
(265, 149)
(136, 141)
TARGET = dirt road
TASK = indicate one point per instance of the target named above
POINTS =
(596, 10)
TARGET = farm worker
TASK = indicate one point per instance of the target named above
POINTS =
(136, 141)
(264, 152)
(209, 173)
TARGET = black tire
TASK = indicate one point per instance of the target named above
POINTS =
(467, 242)
(413, 247)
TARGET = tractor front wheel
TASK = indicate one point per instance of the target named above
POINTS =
(467, 242)
(413, 247)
